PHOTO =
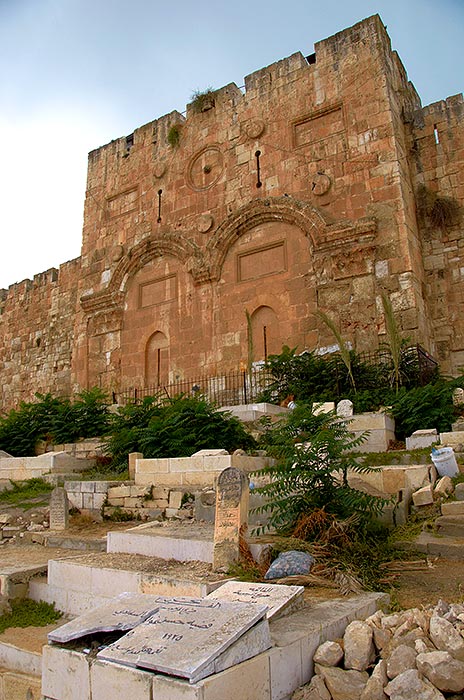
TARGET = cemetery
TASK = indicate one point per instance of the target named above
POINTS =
(154, 606)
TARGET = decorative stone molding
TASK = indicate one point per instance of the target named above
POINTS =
(136, 258)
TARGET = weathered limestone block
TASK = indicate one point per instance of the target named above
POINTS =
(410, 686)
(328, 654)
(446, 637)
(401, 659)
(345, 408)
(374, 689)
(119, 491)
(316, 689)
(445, 672)
(175, 499)
(421, 438)
(381, 638)
(444, 486)
(424, 496)
(343, 685)
(459, 492)
(359, 646)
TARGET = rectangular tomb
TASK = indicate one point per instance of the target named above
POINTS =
(280, 599)
(186, 636)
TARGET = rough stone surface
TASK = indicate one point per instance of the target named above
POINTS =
(231, 518)
(359, 646)
(154, 295)
(374, 689)
(402, 659)
(444, 486)
(441, 669)
(345, 408)
(316, 689)
(343, 685)
(424, 496)
(446, 637)
(328, 654)
(410, 686)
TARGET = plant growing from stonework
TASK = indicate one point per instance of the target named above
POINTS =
(313, 454)
(396, 343)
(343, 348)
(201, 100)
(174, 134)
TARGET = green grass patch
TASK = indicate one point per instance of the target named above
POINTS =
(29, 613)
(380, 459)
(22, 491)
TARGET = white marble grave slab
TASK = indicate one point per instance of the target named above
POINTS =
(185, 636)
(121, 614)
(279, 599)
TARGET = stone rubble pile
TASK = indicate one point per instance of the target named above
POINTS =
(14, 528)
(149, 502)
(401, 656)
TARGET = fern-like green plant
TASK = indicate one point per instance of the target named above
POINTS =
(174, 134)
(394, 339)
(313, 455)
(343, 348)
(250, 345)
(177, 427)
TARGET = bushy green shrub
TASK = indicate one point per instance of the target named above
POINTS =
(313, 457)
(425, 407)
(55, 420)
(177, 427)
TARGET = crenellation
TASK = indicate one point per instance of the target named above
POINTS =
(301, 192)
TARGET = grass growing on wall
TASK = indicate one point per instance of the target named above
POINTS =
(29, 613)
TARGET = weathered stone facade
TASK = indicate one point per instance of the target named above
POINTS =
(321, 184)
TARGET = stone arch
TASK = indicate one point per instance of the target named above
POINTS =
(156, 359)
(277, 209)
(174, 245)
(265, 332)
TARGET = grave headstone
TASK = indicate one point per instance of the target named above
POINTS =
(345, 408)
(59, 509)
(231, 518)
(279, 599)
(186, 636)
(121, 614)
(458, 396)
(133, 457)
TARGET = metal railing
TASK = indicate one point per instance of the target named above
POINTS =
(242, 386)
(228, 389)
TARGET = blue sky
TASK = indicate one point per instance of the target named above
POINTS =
(75, 74)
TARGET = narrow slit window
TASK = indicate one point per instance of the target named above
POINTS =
(436, 134)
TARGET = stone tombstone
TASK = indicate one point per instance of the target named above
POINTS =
(345, 408)
(59, 509)
(231, 517)
(458, 397)
(186, 637)
(280, 600)
(133, 457)
(121, 614)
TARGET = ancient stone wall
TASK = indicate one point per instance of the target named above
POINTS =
(217, 235)
(37, 323)
(438, 161)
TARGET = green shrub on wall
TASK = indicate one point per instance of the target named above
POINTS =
(54, 420)
(177, 427)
